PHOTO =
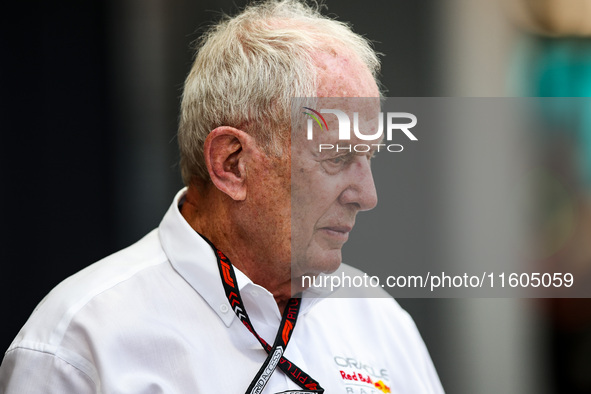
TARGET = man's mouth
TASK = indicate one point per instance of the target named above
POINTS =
(340, 233)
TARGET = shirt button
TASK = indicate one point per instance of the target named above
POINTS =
(254, 293)
(224, 308)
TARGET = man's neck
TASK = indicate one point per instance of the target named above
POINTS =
(209, 213)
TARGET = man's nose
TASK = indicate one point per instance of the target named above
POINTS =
(361, 190)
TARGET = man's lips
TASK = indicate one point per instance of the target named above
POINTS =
(337, 232)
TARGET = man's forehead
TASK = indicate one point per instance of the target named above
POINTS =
(343, 74)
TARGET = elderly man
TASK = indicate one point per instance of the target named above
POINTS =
(205, 303)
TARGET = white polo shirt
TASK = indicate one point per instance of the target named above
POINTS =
(153, 318)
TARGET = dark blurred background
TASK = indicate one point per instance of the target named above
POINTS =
(90, 97)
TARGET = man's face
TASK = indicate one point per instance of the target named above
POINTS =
(329, 187)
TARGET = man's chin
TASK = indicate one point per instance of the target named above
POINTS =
(324, 261)
(328, 263)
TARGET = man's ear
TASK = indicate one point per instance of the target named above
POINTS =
(225, 156)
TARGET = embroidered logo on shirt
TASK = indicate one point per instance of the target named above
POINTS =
(362, 378)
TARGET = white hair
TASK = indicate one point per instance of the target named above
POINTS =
(249, 67)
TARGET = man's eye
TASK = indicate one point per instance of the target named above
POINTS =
(341, 160)
(338, 160)
(335, 164)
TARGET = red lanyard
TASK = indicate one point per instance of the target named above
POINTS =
(275, 353)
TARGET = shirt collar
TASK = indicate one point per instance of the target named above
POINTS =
(193, 258)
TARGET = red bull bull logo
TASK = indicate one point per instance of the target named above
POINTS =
(382, 387)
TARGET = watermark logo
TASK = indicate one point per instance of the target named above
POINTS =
(316, 118)
(394, 123)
